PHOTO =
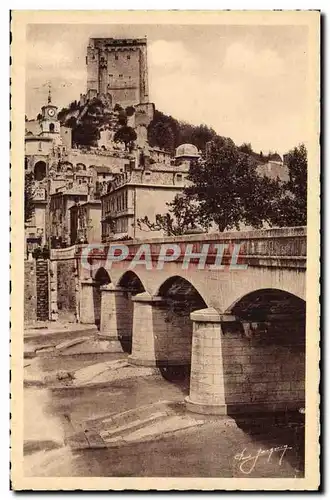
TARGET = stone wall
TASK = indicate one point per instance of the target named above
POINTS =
(42, 287)
(30, 291)
(173, 336)
(161, 337)
(266, 370)
(66, 290)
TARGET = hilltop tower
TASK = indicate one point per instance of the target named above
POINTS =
(118, 68)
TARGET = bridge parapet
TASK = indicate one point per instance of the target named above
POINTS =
(284, 247)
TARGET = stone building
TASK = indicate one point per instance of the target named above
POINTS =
(118, 68)
(274, 170)
(85, 222)
(59, 212)
(45, 142)
(143, 190)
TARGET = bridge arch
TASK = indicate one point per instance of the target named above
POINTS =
(129, 284)
(80, 166)
(266, 347)
(174, 342)
(130, 280)
(266, 300)
(101, 278)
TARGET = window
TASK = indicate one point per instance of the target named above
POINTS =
(103, 176)
(110, 75)
(128, 57)
(116, 57)
(120, 76)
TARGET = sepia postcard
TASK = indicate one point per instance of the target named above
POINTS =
(165, 250)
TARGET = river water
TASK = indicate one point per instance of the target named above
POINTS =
(207, 451)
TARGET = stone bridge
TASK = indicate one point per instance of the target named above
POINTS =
(225, 309)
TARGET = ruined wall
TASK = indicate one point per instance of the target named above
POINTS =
(66, 290)
(97, 158)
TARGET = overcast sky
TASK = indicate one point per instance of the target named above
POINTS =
(247, 82)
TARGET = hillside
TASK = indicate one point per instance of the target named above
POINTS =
(164, 131)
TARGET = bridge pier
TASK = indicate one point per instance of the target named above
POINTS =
(207, 384)
(87, 315)
(114, 324)
(161, 337)
(143, 343)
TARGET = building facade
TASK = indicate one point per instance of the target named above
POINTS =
(85, 222)
(44, 144)
(143, 191)
(60, 215)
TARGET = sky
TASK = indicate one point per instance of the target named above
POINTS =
(247, 82)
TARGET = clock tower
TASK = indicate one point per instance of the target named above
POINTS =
(49, 122)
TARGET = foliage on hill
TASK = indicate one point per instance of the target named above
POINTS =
(168, 133)
(291, 209)
(86, 121)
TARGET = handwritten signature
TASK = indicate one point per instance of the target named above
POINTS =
(248, 461)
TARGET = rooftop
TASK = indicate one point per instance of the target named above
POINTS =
(186, 150)
(102, 169)
(117, 42)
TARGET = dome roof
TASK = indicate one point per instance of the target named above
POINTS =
(186, 150)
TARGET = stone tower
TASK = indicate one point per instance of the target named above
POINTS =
(118, 68)
(49, 122)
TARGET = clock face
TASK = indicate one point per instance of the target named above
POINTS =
(51, 112)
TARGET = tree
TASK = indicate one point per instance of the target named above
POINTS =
(291, 206)
(161, 132)
(225, 190)
(72, 122)
(130, 110)
(201, 135)
(118, 107)
(85, 133)
(122, 118)
(182, 217)
(246, 148)
(168, 133)
(127, 135)
(28, 197)
(228, 188)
